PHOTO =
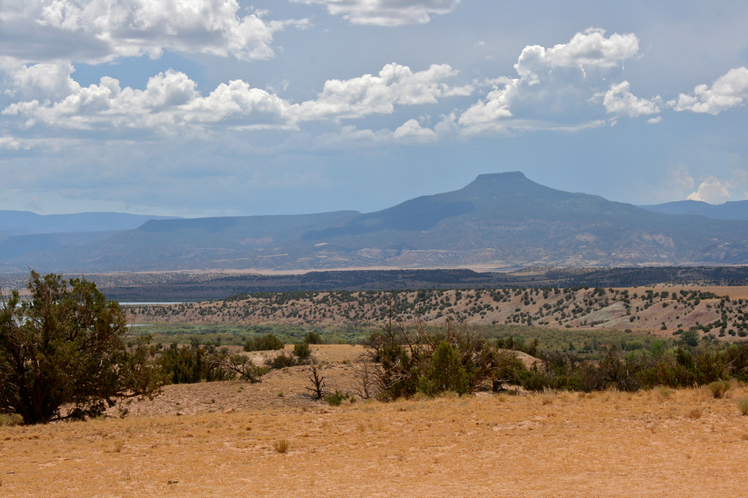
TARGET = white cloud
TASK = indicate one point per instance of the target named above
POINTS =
(712, 190)
(130, 28)
(386, 12)
(621, 102)
(10, 143)
(585, 50)
(411, 132)
(368, 94)
(654, 120)
(729, 91)
(549, 80)
(171, 101)
(43, 81)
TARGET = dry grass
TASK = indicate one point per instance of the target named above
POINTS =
(604, 444)
(281, 446)
(10, 419)
(743, 406)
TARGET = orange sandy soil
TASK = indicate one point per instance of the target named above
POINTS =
(652, 443)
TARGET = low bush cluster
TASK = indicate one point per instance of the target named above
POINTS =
(415, 360)
(679, 367)
(196, 363)
(313, 338)
(267, 342)
(302, 355)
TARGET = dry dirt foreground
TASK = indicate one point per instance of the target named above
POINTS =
(679, 443)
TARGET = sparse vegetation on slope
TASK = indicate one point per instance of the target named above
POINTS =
(668, 310)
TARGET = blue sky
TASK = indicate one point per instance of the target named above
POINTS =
(224, 107)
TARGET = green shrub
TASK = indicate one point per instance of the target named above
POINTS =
(302, 351)
(195, 363)
(445, 372)
(263, 343)
(454, 358)
(336, 398)
(66, 344)
(313, 338)
(283, 360)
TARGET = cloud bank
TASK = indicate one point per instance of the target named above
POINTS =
(171, 101)
(388, 13)
(103, 30)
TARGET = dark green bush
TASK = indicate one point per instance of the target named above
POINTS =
(445, 372)
(263, 343)
(302, 351)
(65, 344)
(435, 361)
(283, 360)
(336, 398)
(195, 363)
(313, 338)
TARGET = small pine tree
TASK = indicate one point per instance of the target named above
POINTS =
(445, 372)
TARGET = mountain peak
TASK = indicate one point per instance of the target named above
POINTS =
(500, 177)
(508, 183)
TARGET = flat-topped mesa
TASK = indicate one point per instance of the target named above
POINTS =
(504, 177)
(498, 182)
(510, 187)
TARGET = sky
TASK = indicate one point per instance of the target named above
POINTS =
(224, 107)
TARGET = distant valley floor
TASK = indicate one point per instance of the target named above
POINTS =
(201, 286)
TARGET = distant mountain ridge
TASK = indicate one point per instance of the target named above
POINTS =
(24, 232)
(26, 222)
(731, 210)
(499, 220)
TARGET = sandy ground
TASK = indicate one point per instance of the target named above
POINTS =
(608, 444)
(652, 443)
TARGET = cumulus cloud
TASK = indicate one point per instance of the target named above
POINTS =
(549, 78)
(171, 101)
(44, 81)
(411, 132)
(586, 50)
(620, 101)
(712, 190)
(368, 94)
(386, 12)
(130, 28)
(729, 91)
